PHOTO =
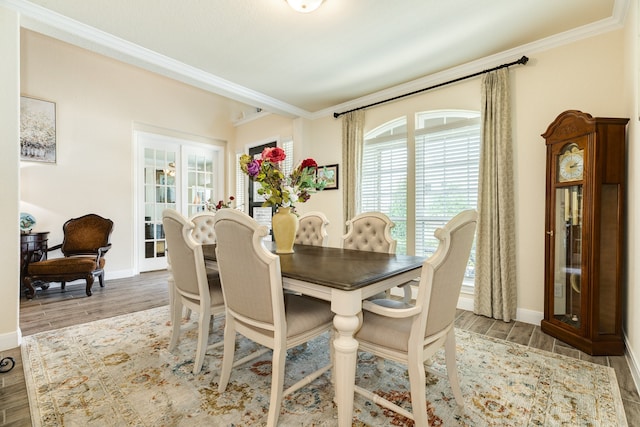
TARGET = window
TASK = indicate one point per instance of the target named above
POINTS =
(241, 185)
(445, 166)
(383, 179)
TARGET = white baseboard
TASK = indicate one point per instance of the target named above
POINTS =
(632, 361)
(119, 274)
(465, 302)
(10, 340)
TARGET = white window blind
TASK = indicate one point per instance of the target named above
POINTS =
(383, 178)
(446, 165)
(287, 165)
(241, 186)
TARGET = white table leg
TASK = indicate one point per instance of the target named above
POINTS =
(346, 322)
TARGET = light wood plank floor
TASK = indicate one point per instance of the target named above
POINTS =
(53, 309)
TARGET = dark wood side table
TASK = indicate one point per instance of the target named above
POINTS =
(33, 248)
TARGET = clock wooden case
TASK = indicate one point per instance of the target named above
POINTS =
(584, 248)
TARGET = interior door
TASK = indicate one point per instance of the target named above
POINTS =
(174, 174)
(160, 189)
(256, 211)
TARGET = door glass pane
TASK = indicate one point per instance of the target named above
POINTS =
(567, 295)
(159, 194)
(200, 182)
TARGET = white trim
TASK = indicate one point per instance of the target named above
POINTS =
(10, 340)
(55, 25)
(632, 361)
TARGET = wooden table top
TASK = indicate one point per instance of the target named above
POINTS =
(338, 268)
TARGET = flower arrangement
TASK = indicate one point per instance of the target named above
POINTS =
(220, 205)
(278, 189)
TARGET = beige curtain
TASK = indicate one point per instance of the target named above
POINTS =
(495, 285)
(352, 140)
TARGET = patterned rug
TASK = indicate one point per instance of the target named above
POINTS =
(118, 372)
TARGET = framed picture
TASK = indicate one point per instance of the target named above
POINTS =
(37, 130)
(330, 173)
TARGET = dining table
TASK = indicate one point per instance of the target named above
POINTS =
(344, 277)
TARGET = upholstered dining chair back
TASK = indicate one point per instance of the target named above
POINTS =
(312, 229)
(203, 227)
(411, 334)
(191, 284)
(247, 269)
(444, 271)
(370, 231)
(257, 308)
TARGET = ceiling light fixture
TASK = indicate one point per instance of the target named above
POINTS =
(304, 6)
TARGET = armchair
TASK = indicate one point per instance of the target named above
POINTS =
(257, 307)
(411, 334)
(191, 284)
(86, 241)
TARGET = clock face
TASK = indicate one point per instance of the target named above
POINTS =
(571, 165)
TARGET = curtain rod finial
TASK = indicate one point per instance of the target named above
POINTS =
(524, 60)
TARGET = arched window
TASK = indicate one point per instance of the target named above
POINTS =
(445, 166)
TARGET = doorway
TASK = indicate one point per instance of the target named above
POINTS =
(173, 173)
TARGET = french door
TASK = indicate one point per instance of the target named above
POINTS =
(173, 174)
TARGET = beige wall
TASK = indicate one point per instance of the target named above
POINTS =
(99, 102)
(9, 176)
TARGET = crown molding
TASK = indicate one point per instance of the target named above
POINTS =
(45, 21)
(615, 22)
(39, 19)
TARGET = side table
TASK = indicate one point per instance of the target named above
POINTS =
(33, 248)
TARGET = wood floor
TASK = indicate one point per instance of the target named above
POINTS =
(53, 309)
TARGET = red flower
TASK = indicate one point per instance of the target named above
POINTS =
(273, 154)
(308, 163)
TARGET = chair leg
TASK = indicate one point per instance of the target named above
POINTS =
(89, 284)
(101, 279)
(203, 338)
(452, 370)
(277, 384)
(229, 351)
(417, 383)
(63, 284)
(176, 311)
(407, 293)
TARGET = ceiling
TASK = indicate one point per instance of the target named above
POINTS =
(345, 54)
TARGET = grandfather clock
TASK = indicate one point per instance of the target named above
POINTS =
(584, 248)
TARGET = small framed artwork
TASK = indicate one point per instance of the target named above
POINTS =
(330, 173)
(37, 130)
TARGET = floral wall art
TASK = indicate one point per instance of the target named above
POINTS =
(37, 130)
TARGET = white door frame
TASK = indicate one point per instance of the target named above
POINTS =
(181, 144)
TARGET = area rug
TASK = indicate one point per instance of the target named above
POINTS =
(119, 372)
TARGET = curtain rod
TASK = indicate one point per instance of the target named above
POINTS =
(522, 61)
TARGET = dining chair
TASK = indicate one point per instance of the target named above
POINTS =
(258, 309)
(312, 229)
(371, 231)
(194, 287)
(411, 334)
(203, 234)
